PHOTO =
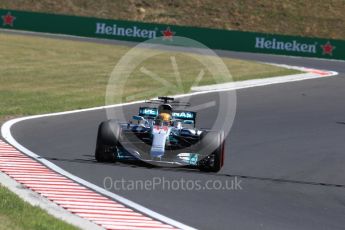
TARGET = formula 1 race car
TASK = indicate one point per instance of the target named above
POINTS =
(161, 136)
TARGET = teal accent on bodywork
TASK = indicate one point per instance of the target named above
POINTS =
(145, 111)
(193, 159)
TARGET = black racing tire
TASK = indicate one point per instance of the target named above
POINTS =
(108, 136)
(213, 162)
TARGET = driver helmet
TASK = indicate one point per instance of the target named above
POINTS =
(165, 117)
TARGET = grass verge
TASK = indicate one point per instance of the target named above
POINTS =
(15, 214)
(43, 75)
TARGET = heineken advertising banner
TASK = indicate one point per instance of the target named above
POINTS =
(137, 31)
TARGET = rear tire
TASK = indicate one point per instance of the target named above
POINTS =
(214, 161)
(107, 141)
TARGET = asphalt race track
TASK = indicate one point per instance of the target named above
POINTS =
(286, 146)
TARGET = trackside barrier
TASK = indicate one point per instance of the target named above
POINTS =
(138, 31)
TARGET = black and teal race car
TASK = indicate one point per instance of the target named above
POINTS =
(161, 136)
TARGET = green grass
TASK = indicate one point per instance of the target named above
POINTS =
(42, 75)
(15, 214)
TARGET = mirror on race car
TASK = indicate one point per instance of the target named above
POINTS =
(188, 122)
(138, 118)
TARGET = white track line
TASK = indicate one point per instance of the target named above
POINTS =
(310, 74)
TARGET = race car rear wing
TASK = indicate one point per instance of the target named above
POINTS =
(184, 115)
(177, 114)
(148, 112)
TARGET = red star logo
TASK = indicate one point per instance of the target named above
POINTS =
(8, 19)
(327, 48)
(167, 34)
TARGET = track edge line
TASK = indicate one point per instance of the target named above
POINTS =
(6, 134)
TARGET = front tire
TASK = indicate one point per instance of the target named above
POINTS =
(214, 161)
(107, 141)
